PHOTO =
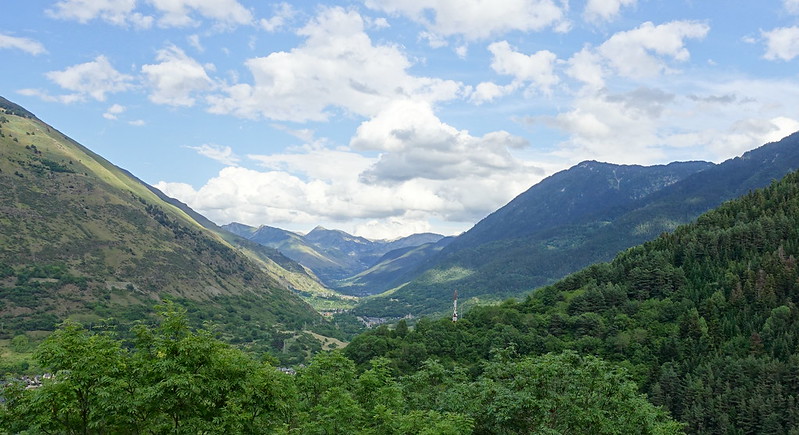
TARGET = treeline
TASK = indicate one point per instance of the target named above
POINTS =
(172, 379)
(705, 319)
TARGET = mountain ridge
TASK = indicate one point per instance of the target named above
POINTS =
(486, 268)
(334, 256)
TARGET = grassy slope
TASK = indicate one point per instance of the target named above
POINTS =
(116, 247)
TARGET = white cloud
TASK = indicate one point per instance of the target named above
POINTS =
(46, 96)
(393, 227)
(638, 53)
(417, 145)
(27, 45)
(138, 123)
(175, 78)
(223, 155)
(180, 13)
(586, 66)
(378, 23)
(94, 79)
(712, 119)
(433, 40)
(426, 171)
(619, 128)
(279, 198)
(194, 41)
(536, 69)
(791, 6)
(314, 161)
(113, 111)
(604, 10)
(283, 13)
(489, 91)
(475, 19)
(117, 12)
(782, 43)
(173, 13)
(336, 66)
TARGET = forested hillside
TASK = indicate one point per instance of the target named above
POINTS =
(705, 319)
(176, 380)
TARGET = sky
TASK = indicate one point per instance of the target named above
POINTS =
(385, 118)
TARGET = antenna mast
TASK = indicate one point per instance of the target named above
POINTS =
(455, 307)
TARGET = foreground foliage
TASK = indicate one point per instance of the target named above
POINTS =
(171, 379)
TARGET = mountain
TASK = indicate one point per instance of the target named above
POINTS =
(333, 255)
(575, 218)
(81, 238)
(392, 269)
(588, 192)
(704, 318)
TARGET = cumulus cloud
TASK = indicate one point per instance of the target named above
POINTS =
(336, 66)
(313, 161)
(489, 91)
(604, 10)
(638, 53)
(635, 54)
(279, 198)
(537, 69)
(175, 78)
(426, 170)
(394, 227)
(92, 79)
(116, 12)
(619, 128)
(418, 145)
(475, 19)
(113, 111)
(782, 43)
(27, 45)
(586, 66)
(222, 154)
(717, 119)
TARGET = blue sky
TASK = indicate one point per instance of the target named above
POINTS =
(389, 117)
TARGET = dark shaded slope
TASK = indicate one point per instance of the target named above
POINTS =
(590, 191)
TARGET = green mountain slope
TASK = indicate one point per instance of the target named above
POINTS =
(291, 245)
(576, 218)
(80, 237)
(706, 318)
